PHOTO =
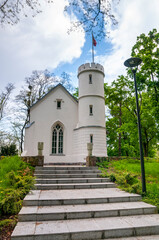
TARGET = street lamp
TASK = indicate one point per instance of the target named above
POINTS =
(133, 64)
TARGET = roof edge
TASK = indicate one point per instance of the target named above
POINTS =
(58, 85)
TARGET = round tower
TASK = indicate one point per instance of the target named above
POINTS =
(91, 109)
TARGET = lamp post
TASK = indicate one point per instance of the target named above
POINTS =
(133, 64)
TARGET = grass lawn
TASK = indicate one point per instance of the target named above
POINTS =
(127, 174)
(16, 180)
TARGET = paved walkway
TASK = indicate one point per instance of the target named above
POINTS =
(74, 203)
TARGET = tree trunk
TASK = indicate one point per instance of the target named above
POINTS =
(22, 131)
(156, 92)
(145, 146)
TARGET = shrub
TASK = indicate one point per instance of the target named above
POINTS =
(11, 203)
(16, 180)
(112, 177)
(6, 223)
(130, 178)
(135, 188)
(9, 150)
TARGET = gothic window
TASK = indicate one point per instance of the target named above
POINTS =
(57, 140)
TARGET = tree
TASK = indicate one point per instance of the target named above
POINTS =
(76, 93)
(92, 15)
(115, 98)
(36, 86)
(4, 97)
(147, 48)
(122, 131)
(9, 150)
(65, 80)
(121, 124)
(10, 10)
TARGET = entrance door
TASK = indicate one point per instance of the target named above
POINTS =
(57, 140)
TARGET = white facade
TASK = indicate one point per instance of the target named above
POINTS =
(64, 125)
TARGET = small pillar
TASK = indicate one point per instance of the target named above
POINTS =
(40, 148)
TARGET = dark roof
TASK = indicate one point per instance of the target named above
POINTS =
(58, 85)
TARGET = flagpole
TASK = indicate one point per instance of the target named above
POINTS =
(92, 49)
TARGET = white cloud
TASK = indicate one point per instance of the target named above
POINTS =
(135, 17)
(38, 43)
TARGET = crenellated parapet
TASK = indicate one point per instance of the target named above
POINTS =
(90, 66)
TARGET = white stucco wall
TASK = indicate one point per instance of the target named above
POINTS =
(98, 117)
(45, 114)
(96, 88)
(82, 137)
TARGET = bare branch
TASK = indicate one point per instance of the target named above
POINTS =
(4, 97)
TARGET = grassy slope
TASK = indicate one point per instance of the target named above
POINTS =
(127, 174)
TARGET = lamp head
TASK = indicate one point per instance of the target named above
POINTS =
(132, 62)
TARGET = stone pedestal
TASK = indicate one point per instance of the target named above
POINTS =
(91, 161)
(34, 160)
(89, 148)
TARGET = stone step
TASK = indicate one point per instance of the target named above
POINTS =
(72, 180)
(47, 213)
(66, 171)
(93, 228)
(66, 168)
(74, 186)
(78, 196)
(150, 237)
(63, 163)
(91, 175)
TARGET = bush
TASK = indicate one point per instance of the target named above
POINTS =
(11, 203)
(130, 178)
(112, 178)
(6, 223)
(14, 184)
(102, 162)
(9, 150)
(136, 188)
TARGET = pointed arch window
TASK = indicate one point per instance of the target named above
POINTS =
(57, 139)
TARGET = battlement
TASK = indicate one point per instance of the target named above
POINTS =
(90, 66)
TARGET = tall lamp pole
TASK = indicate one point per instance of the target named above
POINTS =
(133, 64)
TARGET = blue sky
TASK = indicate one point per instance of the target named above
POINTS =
(86, 56)
(43, 43)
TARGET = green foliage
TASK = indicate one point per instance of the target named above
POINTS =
(11, 202)
(112, 178)
(16, 180)
(102, 162)
(8, 150)
(7, 222)
(76, 93)
(121, 121)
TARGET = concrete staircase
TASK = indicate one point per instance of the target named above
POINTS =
(75, 203)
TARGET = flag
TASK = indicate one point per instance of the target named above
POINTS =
(94, 41)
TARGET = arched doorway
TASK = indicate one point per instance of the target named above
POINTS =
(57, 139)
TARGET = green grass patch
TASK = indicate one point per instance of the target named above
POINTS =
(127, 175)
(16, 180)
